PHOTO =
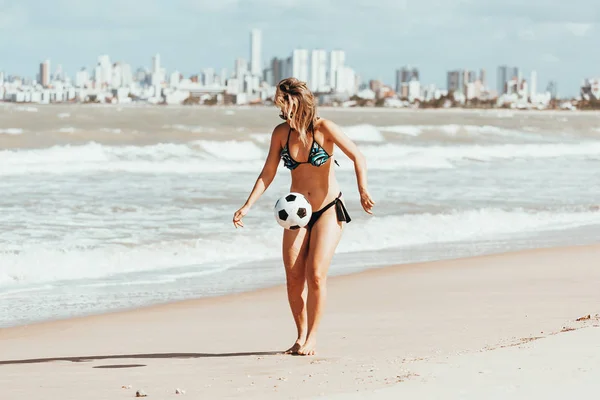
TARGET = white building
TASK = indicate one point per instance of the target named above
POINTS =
(300, 64)
(255, 52)
(241, 68)
(533, 84)
(223, 77)
(318, 71)
(337, 59)
(117, 76)
(175, 79)
(233, 86)
(414, 90)
(126, 75)
(208, 77)
(156, 63)
(103, 73)
(345, 81)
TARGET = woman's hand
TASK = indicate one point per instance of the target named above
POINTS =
(366, 201)
(238, 215)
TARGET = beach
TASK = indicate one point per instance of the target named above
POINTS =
(406, 329)
(109, 207)
(120, 269)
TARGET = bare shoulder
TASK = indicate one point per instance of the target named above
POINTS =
(280, 131)
(328, 128)
(325, 125)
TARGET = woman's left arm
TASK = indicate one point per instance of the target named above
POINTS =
(333, 132)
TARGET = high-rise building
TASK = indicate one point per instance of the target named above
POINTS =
(255, 52)
(241, 68)
(483, 77)
(471, 77)
(141, 75)
(117, 76)
(156, 63)
(126, 75)
(174, 79)
(337, 59)
(45, 73)
(533, 84)
(1, 78)
(455, 81)
(82, 78)
(318, 72)
(502, 78)
(268, 76)
(300, 64)
(103, 73)
(507, 76)
(276, 71)
(208, 76)
(405, 75)
(345, 81)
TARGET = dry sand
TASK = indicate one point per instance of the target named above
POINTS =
(411, 329)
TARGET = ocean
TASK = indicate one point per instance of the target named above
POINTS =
(107, 207)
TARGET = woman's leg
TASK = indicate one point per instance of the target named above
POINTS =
(295, 249)
(324, 238)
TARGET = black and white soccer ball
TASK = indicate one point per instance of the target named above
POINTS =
(292, 211)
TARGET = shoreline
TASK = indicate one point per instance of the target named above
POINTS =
(423, 260)
(378, 324)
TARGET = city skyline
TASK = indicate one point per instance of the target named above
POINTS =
(545, 39)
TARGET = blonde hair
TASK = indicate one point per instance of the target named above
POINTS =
(298, 105)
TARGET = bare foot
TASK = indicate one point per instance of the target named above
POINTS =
(294, 349)
(309, 348)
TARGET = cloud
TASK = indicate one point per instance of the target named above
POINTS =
(527, 34)
(550, 58)
(578, 29)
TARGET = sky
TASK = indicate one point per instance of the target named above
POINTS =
(558, 39)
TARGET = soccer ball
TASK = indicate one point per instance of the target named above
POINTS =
(292, 211)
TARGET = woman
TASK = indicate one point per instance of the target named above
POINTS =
(305, 142)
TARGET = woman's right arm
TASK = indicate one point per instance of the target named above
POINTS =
(264, 179)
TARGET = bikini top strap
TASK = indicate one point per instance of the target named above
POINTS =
(287, 143)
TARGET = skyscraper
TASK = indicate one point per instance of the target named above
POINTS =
(337, 59)
(126, 75)
(82, 78)
(455, 81)
(502, 78)
(483, 77)
(255, 52)
(300, 64)
(276, 71)
(208, 76)
(45, 73)
(405, 75)
(318, 72)
(241, 68)
(156, 64)
(471, 77)
(533, 84)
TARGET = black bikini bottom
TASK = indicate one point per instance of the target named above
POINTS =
(340, 209)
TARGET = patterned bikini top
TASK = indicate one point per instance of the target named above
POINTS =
(316, 157)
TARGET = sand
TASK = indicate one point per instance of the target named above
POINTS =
(421, 330)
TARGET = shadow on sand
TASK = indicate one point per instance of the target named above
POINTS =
(139, 356)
